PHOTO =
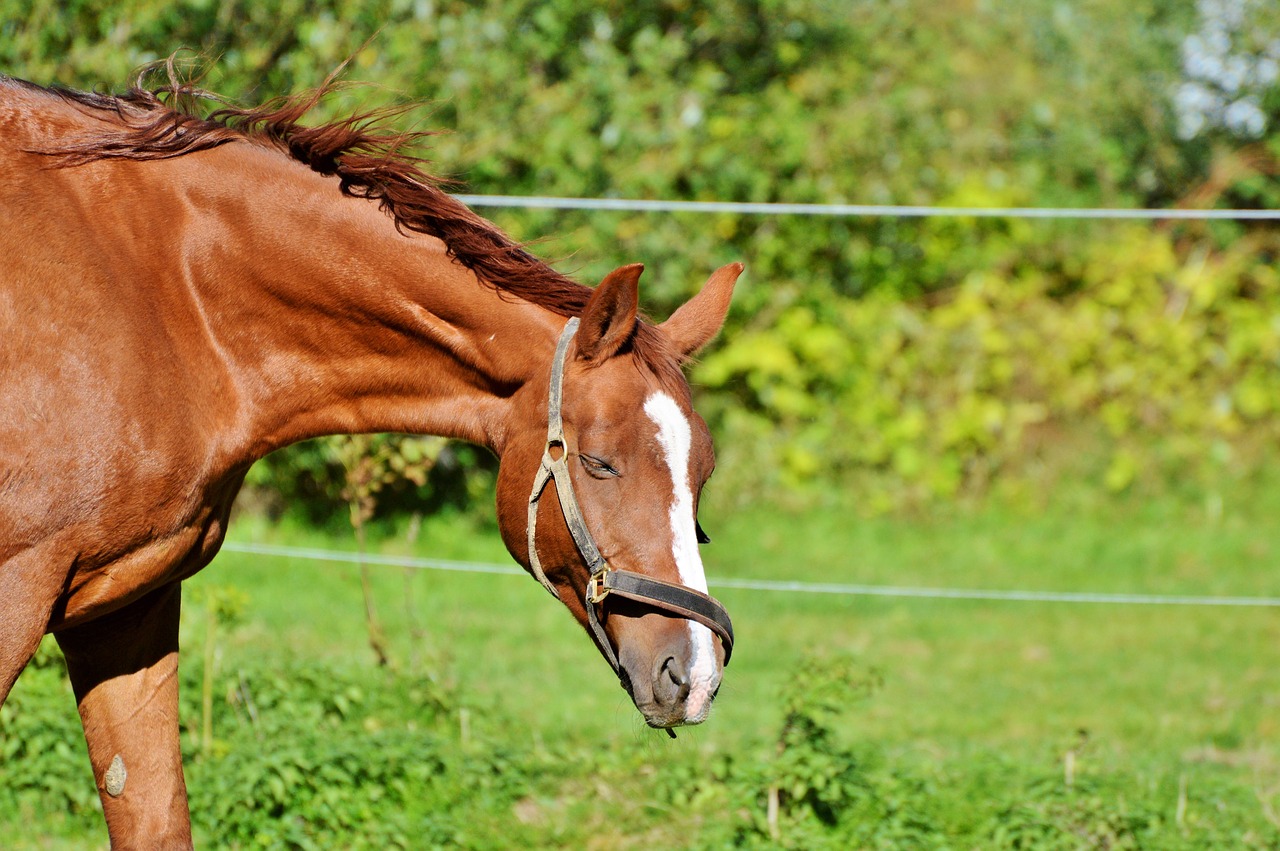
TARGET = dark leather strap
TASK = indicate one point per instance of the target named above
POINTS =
(678, 599)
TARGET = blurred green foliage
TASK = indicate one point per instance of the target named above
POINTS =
(921, 358)
(1177, 361)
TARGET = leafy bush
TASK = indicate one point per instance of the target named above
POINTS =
(42, 750)
(305, 752)
(310, 786)
(926, 398)
(318, 481)
(311, 756)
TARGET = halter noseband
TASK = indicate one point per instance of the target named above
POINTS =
(677, 599)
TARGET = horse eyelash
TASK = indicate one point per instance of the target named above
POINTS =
(595, 465)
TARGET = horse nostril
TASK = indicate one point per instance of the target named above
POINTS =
(674, 671)
(671, 685)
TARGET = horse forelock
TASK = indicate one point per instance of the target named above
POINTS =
(364, 151)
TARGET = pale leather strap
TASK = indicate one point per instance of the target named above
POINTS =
(556, 468)
(535, 564)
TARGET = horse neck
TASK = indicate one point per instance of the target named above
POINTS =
(331, 321)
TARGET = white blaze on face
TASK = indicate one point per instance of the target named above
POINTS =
(675, 437)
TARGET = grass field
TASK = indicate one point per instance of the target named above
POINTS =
(928, 723)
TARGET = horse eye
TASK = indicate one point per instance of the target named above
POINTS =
(596, 467)
(703, 537)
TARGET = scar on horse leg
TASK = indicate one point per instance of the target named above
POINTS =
(124, 668)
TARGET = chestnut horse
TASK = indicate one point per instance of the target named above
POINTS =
(182, 294)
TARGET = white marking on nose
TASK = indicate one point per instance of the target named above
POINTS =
(675, 437)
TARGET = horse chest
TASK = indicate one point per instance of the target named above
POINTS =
(139, 556)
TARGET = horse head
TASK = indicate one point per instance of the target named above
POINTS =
(626, 457)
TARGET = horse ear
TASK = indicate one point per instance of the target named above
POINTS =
(696, 322)
(609, 318)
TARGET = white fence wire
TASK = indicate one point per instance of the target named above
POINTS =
(543, 202)
(773, 585)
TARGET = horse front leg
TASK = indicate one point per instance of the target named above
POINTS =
(124, 669)
(30, 583)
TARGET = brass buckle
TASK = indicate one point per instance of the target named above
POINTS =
(596, 590)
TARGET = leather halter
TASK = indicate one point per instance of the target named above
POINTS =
(670, 597)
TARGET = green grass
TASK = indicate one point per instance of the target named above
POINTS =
(1171, 715)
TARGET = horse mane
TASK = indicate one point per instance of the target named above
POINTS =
(370, 158)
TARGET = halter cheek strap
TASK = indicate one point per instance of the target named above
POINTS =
(677, 599)
(555, 466)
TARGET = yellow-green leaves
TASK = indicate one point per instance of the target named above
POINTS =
(1160, 353)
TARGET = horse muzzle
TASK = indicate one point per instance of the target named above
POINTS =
(671, 668)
